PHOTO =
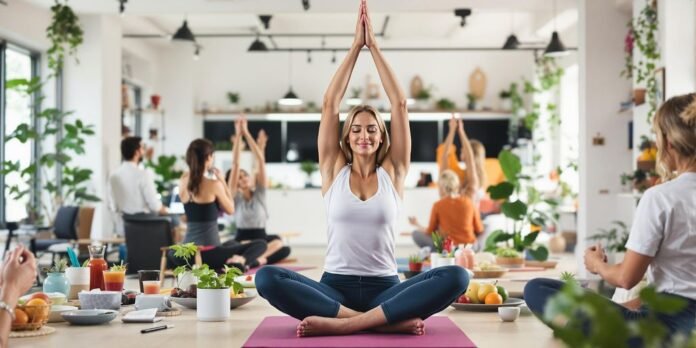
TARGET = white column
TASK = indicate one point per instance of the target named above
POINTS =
(93, 91)
(602, 28)
(677, 25)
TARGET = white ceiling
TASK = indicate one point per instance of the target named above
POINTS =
(412, 22)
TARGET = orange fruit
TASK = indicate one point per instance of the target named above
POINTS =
(37, 309)
(21, 317)
(493, 298)
(40, 295)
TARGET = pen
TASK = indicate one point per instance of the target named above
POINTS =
(156, 328)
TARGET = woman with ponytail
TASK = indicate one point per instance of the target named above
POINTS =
(204, 191)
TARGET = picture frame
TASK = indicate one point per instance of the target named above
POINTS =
(660, 84)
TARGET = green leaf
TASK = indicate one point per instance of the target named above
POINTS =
(501, 191)
(661, 303)
(510, 165)
(540, 253)
(530, 238)
(496, 237)
(514, 210)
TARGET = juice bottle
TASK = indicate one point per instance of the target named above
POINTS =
(459, 257)
(97, 265)
(468, 253)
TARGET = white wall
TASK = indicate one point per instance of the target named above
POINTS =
(93, 91)
(677, 23)
(25, 24)
(602, 28)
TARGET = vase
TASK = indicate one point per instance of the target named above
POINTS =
(57, 282)
(557, 244)
(434, 260)
(213, 304)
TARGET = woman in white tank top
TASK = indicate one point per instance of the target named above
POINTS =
(363, 173)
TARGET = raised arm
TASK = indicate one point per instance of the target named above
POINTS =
(400, 152)
(258, 153)
(330, 157)
(472, 181)
(447, 145)
(236, 140)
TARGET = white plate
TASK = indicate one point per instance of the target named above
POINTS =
(56, 310)
(240, 301)
(245, 281)
(89, 316)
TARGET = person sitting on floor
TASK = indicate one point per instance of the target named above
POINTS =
(662, 240)
(363, 173)
(251, 210)
(17, 275)
(454, 215)
(203, 191)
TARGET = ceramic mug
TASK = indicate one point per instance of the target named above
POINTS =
(509, 314)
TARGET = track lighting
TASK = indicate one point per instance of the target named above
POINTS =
(266, 20)
(333, 59)
(305, 5)
(184, 33)
(462, 12)
(309, 57)
(122, 6)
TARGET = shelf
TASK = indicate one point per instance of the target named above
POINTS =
(306, 116)
(633, 195)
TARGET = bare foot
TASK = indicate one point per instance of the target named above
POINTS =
(321, 326)
(236, 259)
(414, 326)
(262, 261)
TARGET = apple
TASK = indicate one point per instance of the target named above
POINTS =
(40, 295)
(463, 299)
(484, 290)
(472, 292)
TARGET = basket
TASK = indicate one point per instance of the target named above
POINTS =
(38, 316)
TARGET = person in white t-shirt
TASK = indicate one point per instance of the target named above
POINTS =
(662, 241)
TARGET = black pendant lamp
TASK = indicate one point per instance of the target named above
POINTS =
(290, 98)
(257, 46)
(511, 43)
(555, 48)
(184, 33)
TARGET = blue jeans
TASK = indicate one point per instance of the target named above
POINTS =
(538, 291)
(418, 297)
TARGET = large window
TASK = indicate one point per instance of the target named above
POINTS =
(15, 63)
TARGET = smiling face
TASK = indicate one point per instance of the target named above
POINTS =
(365, 136)
(244, 180)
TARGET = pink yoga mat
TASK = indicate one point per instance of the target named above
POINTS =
(288, 267)
(440, 332)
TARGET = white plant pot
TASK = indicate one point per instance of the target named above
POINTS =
(186, 279)
(434, 260)
(446, 261)
(213, 304)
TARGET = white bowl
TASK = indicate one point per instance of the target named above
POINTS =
(56, 310)
(508, 314)
(100, 300)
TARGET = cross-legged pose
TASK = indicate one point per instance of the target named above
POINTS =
(662, 241)
(363, 173)
(250, 198)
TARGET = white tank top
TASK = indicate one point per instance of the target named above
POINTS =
(361, 233)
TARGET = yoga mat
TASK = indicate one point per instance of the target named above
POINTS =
(293, 268)
(440, 332)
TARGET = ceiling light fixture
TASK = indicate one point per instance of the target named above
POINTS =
(511, 43)
(184, 33)
(333, 58)
(122, 6)
(555, 47)
(266, 20)
(462, 12)
(258, 46)
(197, 52)
(305, 5)
(309, 57)
(290, 98)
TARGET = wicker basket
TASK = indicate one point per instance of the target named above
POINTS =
(38, 316)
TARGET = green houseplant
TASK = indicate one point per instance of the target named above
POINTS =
(167, 174)
(645, 39)
(514, 208)
(65, 35)
(184, 275)
(308, 167)
(509, 257)
(445, 104)
(213, 292)
(614, 238)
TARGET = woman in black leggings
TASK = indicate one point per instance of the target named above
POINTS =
(203, 197)
(250, 205)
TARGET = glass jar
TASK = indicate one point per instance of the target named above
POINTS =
(97, 265)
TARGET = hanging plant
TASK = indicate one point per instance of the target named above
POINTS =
(627, 72)
(645, 38)
(65, 35)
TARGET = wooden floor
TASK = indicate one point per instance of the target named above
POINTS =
(485, 329)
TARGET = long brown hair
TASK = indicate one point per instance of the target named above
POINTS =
(383, 148)
(480, 162)
(196, 155)
(675, 124)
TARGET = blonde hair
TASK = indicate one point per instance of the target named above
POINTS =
(449, 182)
(383, 149)
(675, 124)
(480, 162)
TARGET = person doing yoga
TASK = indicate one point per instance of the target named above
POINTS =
(363, 172)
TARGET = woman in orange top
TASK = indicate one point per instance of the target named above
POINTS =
(454, 215)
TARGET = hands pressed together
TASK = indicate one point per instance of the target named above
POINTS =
(364, 35)
(595, 257)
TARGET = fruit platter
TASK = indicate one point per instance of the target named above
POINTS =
(188, 298)
(488, 270)
(485, 297)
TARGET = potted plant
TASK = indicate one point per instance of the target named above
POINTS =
(445, 104)
(233, 98)
(443, 254)
(167, 174)
(509, 257)
(56, 281)
(471, 101)
(213, 292)
(184, 275)
(308, 167)
(522, 214)
(415, 263)
(422, 97)
(505, 100)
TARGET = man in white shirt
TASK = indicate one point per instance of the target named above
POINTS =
(132, 188)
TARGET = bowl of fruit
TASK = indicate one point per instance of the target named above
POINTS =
(241, 298)
(31, 314)
(488, 270)
(185, 298)
(485, 297)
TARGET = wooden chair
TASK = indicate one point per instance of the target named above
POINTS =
(166, 272)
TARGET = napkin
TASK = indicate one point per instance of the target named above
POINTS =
(142, 316)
